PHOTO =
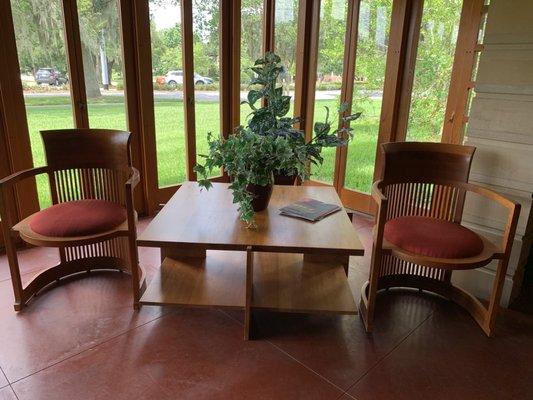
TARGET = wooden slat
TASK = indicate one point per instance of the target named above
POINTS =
(230, 42)
(460, 82)
(131, 97)
(188, 87)
(135, 20)
(269, 24)
(78, 94)
(306, 64)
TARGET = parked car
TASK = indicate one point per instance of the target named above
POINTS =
(50, 76)
(174, 78)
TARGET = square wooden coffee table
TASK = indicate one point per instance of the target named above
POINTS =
(210, 259)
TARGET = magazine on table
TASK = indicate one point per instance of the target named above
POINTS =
(309, 209)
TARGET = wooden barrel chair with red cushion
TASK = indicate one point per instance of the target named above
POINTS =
(92, 220)
(418, 238)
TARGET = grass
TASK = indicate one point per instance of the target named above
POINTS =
(54, 112)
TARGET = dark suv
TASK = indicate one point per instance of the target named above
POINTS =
(50, 76)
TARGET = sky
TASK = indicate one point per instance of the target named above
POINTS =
(165, 15)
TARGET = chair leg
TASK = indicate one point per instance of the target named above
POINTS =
(494, 303)
(134, 265)
(14, 269)
(375, 263)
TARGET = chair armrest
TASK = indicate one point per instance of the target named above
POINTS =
(513, 211)
(130, 185)
(7, 209)
(21, 175)
(381, 216)
(377, 194)
(134, 178)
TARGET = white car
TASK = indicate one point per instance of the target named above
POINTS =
(174, 78)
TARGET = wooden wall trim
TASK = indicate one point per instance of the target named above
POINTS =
(14, 130)
(411, 49)
(230, 51)
(401, 55)
(269, 25)
(138, 90)
(464, 59)
(348, 78)
(306, 63)
(188, 87)
(78, 95)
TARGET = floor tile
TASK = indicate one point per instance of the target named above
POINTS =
(66, 319)
(7, 394)
(31, 260)
(190, 354)
(337, 347)
(449, 357)
(3, 380)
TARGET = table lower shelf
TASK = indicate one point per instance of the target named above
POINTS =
(281, 282)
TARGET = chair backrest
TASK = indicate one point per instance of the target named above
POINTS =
(87, 163)
(418, 178)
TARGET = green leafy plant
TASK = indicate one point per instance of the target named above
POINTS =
(269, 144)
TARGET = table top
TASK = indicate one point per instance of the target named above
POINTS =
(208, 219)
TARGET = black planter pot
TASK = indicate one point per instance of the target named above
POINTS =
(285, 180)
(261, 196)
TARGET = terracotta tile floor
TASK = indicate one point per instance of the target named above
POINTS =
(82, 340)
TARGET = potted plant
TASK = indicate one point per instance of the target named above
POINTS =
(268, 145)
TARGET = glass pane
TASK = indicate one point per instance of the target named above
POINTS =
(285, 33)
(329, 75)
(372, 44)
(206, 14)
(44, 73)
(101, 48)
(165, 21)
(251, 45)
(434, 61)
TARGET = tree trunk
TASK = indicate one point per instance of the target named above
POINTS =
(91, 79)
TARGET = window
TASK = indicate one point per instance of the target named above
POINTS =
(166, 39)
(434, 62)
(44, 73)
(102, 63)
(329, 75)
(371, 56)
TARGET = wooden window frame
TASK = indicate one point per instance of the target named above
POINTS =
(136, 47)
(14, 134)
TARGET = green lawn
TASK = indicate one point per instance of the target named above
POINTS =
(109, 112)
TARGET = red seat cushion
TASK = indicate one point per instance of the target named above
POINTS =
(78, 218)
(433, 237)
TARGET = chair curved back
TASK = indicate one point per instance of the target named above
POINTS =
(87, 163)
(418, 179)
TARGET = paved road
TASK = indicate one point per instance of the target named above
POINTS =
(200, 95)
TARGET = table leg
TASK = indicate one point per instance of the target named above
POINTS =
(180, 252)
(329, 258)
(249, 293)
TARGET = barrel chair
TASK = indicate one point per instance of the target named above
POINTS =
(92, 220)
(418, 239)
